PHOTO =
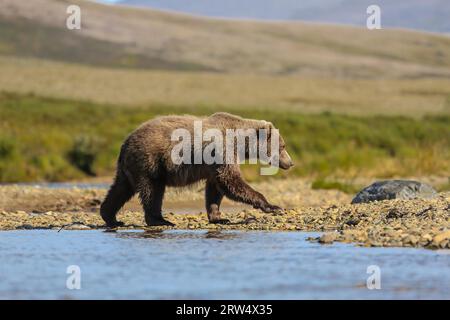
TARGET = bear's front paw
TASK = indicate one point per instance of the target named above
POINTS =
(269, 208)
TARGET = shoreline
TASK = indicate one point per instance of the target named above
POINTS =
(392, 223)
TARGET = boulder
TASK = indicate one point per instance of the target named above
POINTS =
(395, 189)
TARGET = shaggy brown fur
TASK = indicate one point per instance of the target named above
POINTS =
(145, 167)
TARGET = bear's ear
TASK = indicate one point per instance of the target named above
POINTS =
(266, 124)
(266, 129)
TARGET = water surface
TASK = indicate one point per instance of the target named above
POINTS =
(180, 264)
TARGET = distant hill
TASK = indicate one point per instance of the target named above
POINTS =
(115, 36)
(428, 15)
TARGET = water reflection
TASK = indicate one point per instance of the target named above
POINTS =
(221, 235)
(178, 234)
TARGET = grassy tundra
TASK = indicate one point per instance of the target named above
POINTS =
(350, 102)
(125, 87)
(56, 140)
(148, 39)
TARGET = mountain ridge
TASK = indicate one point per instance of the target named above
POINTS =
(431, 16)
(115, 36)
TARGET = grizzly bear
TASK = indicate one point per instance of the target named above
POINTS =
(146, 166)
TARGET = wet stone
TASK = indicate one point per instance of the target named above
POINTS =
(327, 238)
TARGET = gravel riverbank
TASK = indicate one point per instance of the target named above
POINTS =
(394, 223)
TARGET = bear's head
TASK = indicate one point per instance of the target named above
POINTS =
(258, 136)
(284, 160)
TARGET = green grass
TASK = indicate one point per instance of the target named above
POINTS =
(321, 183)
(46, 139)
(444, 186)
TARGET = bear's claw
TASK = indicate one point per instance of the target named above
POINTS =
(272, 209)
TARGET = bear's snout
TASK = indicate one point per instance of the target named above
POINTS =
(285, 160)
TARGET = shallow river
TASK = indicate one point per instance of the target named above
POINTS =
(211, 265)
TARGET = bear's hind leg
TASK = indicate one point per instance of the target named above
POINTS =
(152, 194)
(120, 192)
(213, 198)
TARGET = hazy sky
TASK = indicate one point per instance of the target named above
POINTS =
(429, 15)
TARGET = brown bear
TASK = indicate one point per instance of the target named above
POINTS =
(146, 166)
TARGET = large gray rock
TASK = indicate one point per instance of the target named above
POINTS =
(395, 189)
